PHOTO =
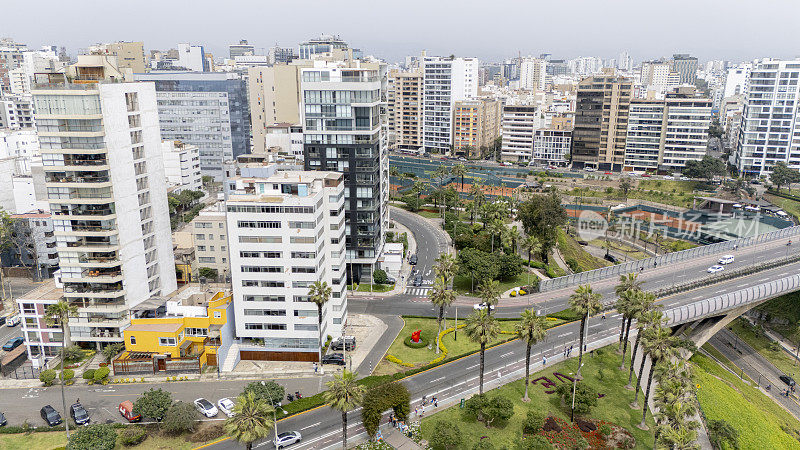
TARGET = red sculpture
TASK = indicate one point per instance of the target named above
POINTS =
(415, 336)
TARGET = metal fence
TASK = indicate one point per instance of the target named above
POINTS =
(661, 260)
(24, 373)
(722, 303)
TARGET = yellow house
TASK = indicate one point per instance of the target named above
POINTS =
(190, 330)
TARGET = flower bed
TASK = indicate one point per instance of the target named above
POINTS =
(565, 435)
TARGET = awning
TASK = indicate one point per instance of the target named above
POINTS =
(187, 343)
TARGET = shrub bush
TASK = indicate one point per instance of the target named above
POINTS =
(207, 433)
(181, 417)
(88, 374)
(101, 375)
(96, 437)
(536, 442)
(422, 342)
(47, 377)
(67, 376)
(132, 435)
(605, 430)
(379, 276)
(396, 360)
(72, 353)
(533, 423)
(378, 399)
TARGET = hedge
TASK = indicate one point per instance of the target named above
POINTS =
(422, 342)
(396, 360)
(378, 399)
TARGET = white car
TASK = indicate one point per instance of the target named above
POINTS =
(480, 306)
(589, 169)
(287, 438)
(715, 269)
(226, 406)
(684, 178)
(726, 259)
(669, 177)
(206, 408)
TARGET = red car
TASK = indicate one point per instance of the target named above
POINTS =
(126, 409)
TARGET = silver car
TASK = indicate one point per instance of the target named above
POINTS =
(206, 408)
(287, 438)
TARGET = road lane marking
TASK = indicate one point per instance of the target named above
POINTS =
(310, 426)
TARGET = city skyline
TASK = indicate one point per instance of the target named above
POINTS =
(632, 29)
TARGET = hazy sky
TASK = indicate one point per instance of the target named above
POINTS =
(489, 29)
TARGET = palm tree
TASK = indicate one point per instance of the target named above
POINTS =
(585, 303)
(681, 438)
(319, 293)
(531, 329)
(496, 228)
(482, 328)
(344, 394)
(532, 244)
(645, 315)
(441, 297)
(59, 313)
(627, 283)
(445, 267)
(515, 237)
(489, 292)
(253, 419)
(661, 345)
(459, 170)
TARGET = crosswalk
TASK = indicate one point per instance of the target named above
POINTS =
(418, 291)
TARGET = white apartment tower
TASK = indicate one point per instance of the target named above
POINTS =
(519, 124)
(104, 173)
(285, 232)
(770, 126)
(445, 81)
(533, 74)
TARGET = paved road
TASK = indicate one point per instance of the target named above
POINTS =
(431, 242)
(758, 368)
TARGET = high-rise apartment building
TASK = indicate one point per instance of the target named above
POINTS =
(11, 57)
(686, 68)
(101, 151)
(601, 121)
(241, 49)
(181, 166)
(518, 125)
(446, 80)
(736, 80)
(664, 134)
(130, 55)
(16, 112)
(192, 58)
(625, 62)
(287, 231)
(209, 110)
(274, 94)
(476, 124)
(533, 74)
(404, 110)
(280, 55)
(344, 130)
(770, 125)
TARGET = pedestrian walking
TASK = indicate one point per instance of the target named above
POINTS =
(416, 411)
(422, 414)
(435, 402)
(423, 399)
(604, 315)
(315, 367)
(544, 361)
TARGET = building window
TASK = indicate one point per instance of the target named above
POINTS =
(167, 341)
(217, 314)
(133, 340)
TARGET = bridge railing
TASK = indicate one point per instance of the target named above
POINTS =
(722, 303)
(661, 260)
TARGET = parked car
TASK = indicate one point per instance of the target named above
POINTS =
(226, 406)
(126, 410)
(51, 416)
(715, 269)
(333, 358)
(391, 280)
(13, 343)
(418, 280)
(726, 259)
(3, 420)
(349, 343)
(287, 438)
(589, 169)
(787, 379)
(412, 260)
(79, 414)
(483, 305)
(206, 408)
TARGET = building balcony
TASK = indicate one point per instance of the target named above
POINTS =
(85, 213)
(90, 246)
(94, 322)
(92, 291)
(96, 335)
(96, 276)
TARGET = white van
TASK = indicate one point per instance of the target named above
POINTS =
(726, 259)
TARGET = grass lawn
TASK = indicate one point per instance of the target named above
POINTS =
(599, 371)
(720, 357)
(761, 422)
(630, 252)
(365, 287)
(762, 345)
(674, 186)
(790, 206)
(462, 284)
(58, 439)
(429, 214)
(571, 250)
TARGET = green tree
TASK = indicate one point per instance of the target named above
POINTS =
(535, 442)
(252, 419)
(319, 293)
(625, 186)
(531, 329)
(58, 314)
(707, 168)
(459, 170)
(531, 245)
(496, 228)
(628, 284)
(445, 267)
(344, 394)
(153, 403)
(489, 409)
(645, 315)
(379, 276)
(782, 175)
(445, 436)
(541, 216)
(585, 303)
(660, 345)
(181, 417)
(96, 437)
(715, 130)
(585, 396)
(477, 265)
(534, 421)
(208, 273)
(508, 265)
(441, 297)
(482, 329)
(112, 350)
(680, 438)
(269, 391)
(7, 227)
